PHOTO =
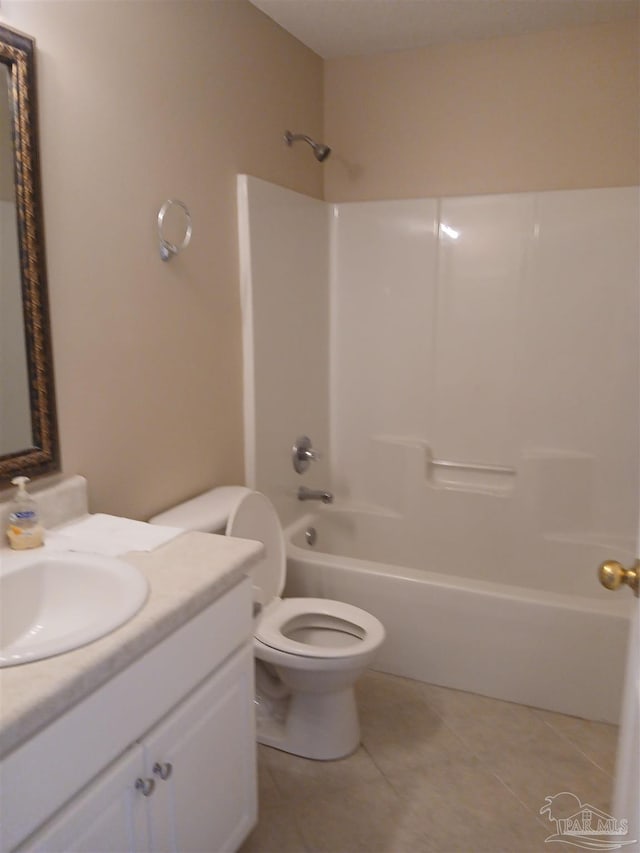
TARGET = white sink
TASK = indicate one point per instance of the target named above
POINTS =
(52, 602)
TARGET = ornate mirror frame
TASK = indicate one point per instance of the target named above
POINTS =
(17, 53)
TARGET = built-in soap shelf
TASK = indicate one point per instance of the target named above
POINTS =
(555, 484)
(472, 476)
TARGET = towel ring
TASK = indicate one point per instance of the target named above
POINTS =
(167, 249)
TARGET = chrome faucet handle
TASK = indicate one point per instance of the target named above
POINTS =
(303, 454)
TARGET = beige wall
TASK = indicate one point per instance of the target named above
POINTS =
(556, 110)
(141, 101)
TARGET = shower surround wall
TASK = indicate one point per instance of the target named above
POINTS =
(284, 238)
(498, 333)
(495, 332)
(469, 367)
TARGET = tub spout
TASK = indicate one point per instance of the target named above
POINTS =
(305, 494)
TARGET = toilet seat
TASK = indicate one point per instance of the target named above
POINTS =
(284, 615)
(254, 517)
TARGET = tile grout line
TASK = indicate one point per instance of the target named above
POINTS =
(386, 780)
(581, 752)
(547, 723)
(488, 769)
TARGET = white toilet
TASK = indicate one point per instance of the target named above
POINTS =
(309, 651)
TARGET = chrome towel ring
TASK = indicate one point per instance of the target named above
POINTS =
(168, 249)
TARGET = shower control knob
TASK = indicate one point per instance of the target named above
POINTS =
(303, 454)
(613, 575)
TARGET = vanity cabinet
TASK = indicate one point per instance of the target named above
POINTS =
(187, 787)
(186, 782)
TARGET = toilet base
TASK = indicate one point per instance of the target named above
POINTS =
(321, 726)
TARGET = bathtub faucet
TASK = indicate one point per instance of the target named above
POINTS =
(305, 494)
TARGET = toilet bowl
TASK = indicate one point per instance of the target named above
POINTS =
(309, 651)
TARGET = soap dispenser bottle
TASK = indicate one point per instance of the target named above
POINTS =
(24, 530)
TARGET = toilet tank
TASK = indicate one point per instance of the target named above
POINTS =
(207, 513)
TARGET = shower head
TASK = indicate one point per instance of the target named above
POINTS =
(320, 151)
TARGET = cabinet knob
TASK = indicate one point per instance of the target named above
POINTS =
(146, 786)
(162, 770)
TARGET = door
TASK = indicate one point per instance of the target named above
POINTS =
(626, 789)
(109, 815)
(626, 796)
(203, 760)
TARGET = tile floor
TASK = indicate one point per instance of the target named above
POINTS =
(438, 771)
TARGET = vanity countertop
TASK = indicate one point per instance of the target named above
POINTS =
(185, 576)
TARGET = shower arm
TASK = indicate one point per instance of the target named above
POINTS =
(290, 138)
(320, 151)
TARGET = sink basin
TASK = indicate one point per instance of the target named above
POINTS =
(52, 602)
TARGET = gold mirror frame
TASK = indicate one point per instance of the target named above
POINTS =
(17, 53)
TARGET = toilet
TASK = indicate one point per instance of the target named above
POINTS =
(309, 651)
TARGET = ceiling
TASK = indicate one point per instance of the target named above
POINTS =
(334, 28)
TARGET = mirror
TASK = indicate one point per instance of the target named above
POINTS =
(28, 424)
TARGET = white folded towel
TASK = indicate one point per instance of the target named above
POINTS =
(110, 535)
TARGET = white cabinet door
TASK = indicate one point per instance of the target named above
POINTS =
(199, 770)
(110, 815)
(208, 802)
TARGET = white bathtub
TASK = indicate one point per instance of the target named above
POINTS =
(559, 650)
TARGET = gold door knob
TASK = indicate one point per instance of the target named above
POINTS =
(612, 575)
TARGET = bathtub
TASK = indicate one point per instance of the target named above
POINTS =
(562, 650)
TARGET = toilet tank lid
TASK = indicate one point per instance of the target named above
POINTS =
(207, 513)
